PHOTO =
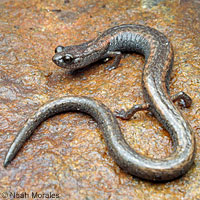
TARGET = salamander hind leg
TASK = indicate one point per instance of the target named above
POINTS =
(117, 55)
(183, 99)
(129, 113)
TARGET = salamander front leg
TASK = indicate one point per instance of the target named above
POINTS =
(129, 113)
(183, 99)
(117, 55)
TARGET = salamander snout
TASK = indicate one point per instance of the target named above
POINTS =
(63, 59)
(58, 60)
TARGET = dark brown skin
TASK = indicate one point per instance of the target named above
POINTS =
(158, 54)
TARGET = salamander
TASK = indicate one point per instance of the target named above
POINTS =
(159, 56)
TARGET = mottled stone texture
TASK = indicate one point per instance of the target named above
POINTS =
(67, 154)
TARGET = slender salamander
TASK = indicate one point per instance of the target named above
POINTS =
(158, 53)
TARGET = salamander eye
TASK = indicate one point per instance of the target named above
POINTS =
(59, 49)
(67, 58)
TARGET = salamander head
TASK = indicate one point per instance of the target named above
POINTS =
(63, 58)
(74, 57)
